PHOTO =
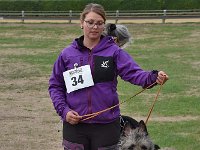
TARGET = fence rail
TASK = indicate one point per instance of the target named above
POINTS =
(116, 15)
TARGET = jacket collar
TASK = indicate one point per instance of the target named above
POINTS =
(80, 42)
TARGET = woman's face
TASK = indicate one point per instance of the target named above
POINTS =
(93, 26)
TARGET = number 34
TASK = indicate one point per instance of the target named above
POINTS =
(76, 81)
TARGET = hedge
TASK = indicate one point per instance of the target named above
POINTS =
(78, 5)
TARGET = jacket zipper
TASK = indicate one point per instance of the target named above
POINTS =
(89, 90)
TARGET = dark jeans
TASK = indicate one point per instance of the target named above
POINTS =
(91, 136)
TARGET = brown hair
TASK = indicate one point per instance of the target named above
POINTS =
(97, 8)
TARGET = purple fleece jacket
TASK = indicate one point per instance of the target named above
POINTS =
(104, 92)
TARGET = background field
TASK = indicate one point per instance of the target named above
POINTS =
(27, 52)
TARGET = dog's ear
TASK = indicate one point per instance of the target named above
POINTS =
(143, 127)
(127, 129)
(156, 147)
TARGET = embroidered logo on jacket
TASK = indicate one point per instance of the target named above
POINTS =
(104, 69)
(105, 64)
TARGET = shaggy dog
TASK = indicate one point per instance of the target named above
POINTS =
(134, 135)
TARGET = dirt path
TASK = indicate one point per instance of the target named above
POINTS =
(185, 20)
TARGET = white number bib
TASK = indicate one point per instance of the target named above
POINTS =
(78, 78)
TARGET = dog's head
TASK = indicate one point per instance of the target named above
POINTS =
(136, 138)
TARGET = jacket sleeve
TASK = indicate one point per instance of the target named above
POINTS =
(57, 88)
(130, 71)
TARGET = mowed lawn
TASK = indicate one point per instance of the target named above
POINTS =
(27, 52)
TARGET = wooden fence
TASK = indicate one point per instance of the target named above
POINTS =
(116, 15)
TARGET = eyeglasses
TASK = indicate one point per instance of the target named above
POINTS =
(90, 24)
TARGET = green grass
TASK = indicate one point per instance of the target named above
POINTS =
(182, 135)
(27, 54)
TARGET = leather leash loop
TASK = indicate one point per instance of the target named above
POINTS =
(92, 115)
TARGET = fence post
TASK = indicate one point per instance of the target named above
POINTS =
(23, 16)
(70, 16)
(164, 16)
(117, 16)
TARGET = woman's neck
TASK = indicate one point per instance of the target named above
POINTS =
(89, 43)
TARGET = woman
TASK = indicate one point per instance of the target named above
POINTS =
(84, 81)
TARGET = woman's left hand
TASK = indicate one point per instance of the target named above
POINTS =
(162, 77)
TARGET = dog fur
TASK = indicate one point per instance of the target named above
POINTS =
(134, 135)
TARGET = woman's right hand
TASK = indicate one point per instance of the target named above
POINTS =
(162, 77)
(73, 117)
